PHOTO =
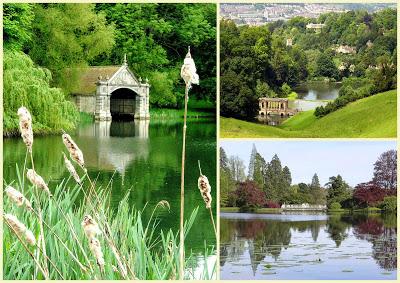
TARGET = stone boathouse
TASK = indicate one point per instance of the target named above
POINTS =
(107, 91)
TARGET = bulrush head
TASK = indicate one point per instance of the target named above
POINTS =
(25, 127)
(20, 229)
(38, 181)
(74, 151)
(71, 169)
(17, 197)
(205, 190)
(95, 247)
(90, 227)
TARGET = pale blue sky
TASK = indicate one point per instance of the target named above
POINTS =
(353, 160)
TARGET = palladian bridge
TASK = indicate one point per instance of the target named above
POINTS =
(275, 106)
(112, 91)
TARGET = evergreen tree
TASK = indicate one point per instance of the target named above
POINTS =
(223, 158)
(252, 163)
(259, 170)
(317, 195)
(273, 179)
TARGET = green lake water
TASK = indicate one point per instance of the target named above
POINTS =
(305, 246)
(144, 157)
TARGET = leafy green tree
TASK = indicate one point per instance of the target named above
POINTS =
(286, 90)
(28, 85)
(17, 25)
(338, 190)
(66, 36)
(385, 170)
(326, 67)
(236, 168)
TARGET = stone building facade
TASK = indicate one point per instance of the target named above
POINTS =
(112, 90)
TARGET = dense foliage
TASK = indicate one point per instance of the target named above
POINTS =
(28, 85)
(271, 184)
(259, 61)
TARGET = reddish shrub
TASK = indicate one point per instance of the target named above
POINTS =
(369, 194)
(272, 204)
(249, 196)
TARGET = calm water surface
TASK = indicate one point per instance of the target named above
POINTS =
(308, 246)
(318, 91)
(144, 157)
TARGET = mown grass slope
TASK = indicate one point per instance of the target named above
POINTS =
(372, 117)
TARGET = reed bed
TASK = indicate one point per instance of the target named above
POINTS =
(150, 254)
(54, 234)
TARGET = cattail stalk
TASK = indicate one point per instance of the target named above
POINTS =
(205, 190)
(27, 249)
(189, 75)
(181, 222)
(20, 229)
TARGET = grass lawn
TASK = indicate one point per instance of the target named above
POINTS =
(371, 117)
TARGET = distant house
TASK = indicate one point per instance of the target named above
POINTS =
(289, 42)
(345, 49)
(342, 67)
(315, 26)
(369, 44)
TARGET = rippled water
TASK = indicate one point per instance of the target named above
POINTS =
(308, 246)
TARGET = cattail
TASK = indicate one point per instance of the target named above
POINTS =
(95, 247)
(205, 190)
(71, 169)
(74, 151)
(20, 229)
(25, 126)
(188, 71)
(38, 181)
(17, 197)
(90, 227)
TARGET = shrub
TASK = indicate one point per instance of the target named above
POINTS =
(369, 194)
(389, 203)
(272, 204)
(249, 196)
(335, 206)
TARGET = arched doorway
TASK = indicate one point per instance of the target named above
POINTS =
(123, 104)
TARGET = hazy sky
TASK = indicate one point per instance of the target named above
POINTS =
(352, 160)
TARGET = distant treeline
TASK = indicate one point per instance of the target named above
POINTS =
(269, 184)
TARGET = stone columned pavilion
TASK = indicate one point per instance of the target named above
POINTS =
(105, 91)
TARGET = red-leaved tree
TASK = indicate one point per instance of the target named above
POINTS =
(369, 194)
(249, 196)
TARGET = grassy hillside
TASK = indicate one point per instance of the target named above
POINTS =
(372, 117)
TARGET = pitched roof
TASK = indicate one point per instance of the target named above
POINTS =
(87, 78)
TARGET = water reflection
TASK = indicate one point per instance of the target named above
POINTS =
(318, 90)
(292, 247)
